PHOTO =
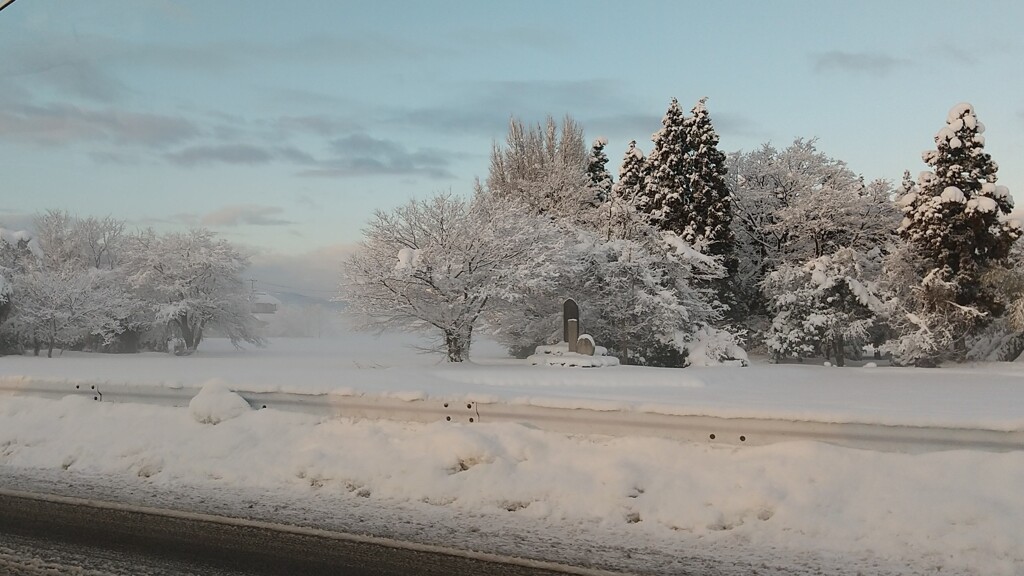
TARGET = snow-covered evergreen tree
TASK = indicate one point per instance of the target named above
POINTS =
(823, 305)
(620, 216)
(710, 215)
(924, 333)
(956, 216)
(709, 226)
(667, 185)
(1003, 339)
(18, 251)
(597, 169)
(957, 226)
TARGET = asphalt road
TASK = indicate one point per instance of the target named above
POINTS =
(45, 537)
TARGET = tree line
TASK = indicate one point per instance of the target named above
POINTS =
(88, 283)
(783, 250)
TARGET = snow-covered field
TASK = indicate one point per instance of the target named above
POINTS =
(988, 396)
(641, 504)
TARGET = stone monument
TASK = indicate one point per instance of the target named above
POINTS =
(570, 323)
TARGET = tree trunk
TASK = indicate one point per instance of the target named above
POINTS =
(839, 344)
(457, 345)
(187, 334)
(49, 347)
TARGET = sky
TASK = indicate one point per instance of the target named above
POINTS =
(284, 125)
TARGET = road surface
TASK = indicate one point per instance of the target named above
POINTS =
(51, 536)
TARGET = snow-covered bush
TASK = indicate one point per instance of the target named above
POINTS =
(710, 346)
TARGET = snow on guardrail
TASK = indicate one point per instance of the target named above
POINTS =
(701, 429)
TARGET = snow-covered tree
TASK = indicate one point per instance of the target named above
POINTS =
(1003, 338)
(823, 305)
(56, 298)
(710, 214)
(543, 167)
(439, 264)
(597, 169)
(100, 241)
(667, 184)
(638, 286)
(61, 306)
(647, 298)
(18, 251)
(624, 210)
(190, 281)
(924, 333)
(957, 217)
(797, 204)
(56, 236)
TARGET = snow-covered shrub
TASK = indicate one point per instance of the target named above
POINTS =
(710, 346)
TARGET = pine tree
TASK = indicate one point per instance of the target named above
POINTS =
(710, 213)
(597, 169)
(667, 184)
(628, 199)
(956, 216)
(632, 177)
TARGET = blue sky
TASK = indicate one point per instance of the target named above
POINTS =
(283, 125)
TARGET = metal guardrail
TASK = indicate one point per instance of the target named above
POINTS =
(702, 429)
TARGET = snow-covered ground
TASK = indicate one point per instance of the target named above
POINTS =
(642, 504)
(987, 396)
